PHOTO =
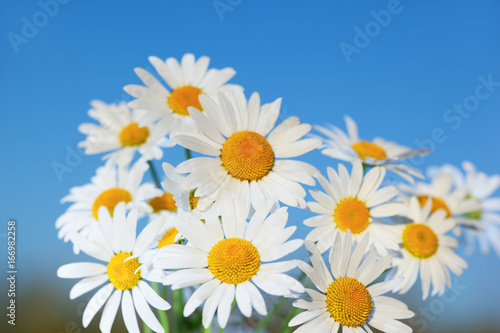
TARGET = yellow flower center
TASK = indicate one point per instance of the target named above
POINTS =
(165, 202)
(122, 274)
(110, 198)
(247, 155)
(437, 203)
(348, 302)
(193, 201)
(352, 214)
(233, 260)
(366, 149)
(182, 97)
(168, 238)
(420, 240)
(133, 135)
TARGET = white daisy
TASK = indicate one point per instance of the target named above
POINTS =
(111, 184)
(349, 147)
(230, 260)
(427, 249)
(248, 156)
(119, 131)
(188, 80)
(479, 187)
(116, 244)
(354, 203)
(185, 199)
(444, 195)
(348, 300)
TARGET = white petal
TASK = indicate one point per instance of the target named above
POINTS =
(80, 270)
(152, 297)
(128, 313)
(144, 311)
(96, 303)
(109, 312)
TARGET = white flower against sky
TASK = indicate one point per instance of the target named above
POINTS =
(246, 155)
(479, 187)
(230, 260)
(427, 249)
(187, 80)
(355, 203)
(115, 243)
(118, 131)
(111, 184)
(349, 147)
(349, 300)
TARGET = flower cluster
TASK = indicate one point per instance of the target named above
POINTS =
(215, 231)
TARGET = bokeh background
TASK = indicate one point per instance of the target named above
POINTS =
(401, 69)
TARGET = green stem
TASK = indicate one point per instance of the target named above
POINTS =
(232, 307)
(146, 328)
(295, 311)
(263, 324)
(161, 314)
(154, 174)
(188, 154)
(208, 329)
(178, 308)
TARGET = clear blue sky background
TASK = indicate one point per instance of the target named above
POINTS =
(399, 85)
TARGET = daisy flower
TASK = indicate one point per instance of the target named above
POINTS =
(479, 187)
(188, 80)
(349, 300)
(111, 184)
(230, 259)
(247, 155)
(119, 131)
(427, 249)
(349, 147)
(444, 195)
(116, 244)
(354, 203)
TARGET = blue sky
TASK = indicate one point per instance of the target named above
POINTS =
(411, 77)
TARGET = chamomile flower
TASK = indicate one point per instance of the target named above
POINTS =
(349, 147)
(111, 184)
(115, 243)
(354, 203)
(247, 155)
(444, 195)
(230, 260)
(349, 300)
(188, 80)
(479, 188)
(119, 131)
(427, 249)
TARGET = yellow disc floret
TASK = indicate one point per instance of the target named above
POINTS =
(353, 214)
(247, 155)
(348, 302)
(366, 149)
(437, 203)
(193, 200)
(133, 135)
(420, 240)
(165, 202)
(168, 238)
(183, 97)
(233, 260)
(121, 273)
(110, 198)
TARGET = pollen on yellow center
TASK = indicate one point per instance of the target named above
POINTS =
(110, 198)
(348, 302)
(366, 149)
(165, 202)
(168, 238)
(353, 214)
(183, 97)
(133, 135)
(420, 240)
(193, 201)
(233, 260)
(121, 273)
(247, 155)
(437, 203)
